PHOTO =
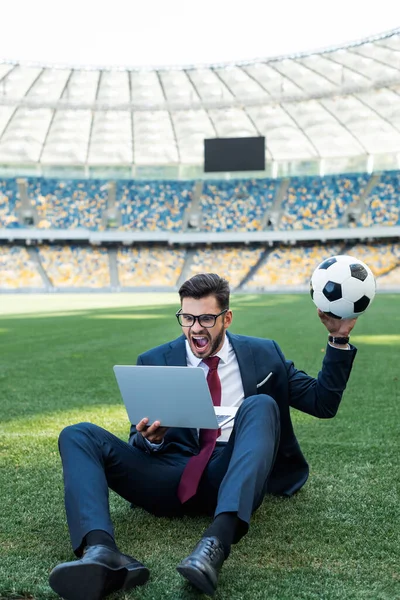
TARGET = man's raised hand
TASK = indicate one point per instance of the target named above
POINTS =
(153, 433)
(337, 327)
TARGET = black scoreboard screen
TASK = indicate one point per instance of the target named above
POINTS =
(234, 154)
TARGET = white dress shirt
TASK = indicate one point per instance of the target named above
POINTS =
(229, 374)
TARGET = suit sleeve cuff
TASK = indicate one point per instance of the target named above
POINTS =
(338, 354)
(152, 446)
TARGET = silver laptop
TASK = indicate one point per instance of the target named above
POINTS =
(175, 396)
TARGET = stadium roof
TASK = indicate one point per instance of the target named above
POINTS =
(340, 102)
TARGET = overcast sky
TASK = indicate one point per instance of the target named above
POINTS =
(180, 32)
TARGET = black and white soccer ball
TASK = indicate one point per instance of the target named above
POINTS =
(342, 287)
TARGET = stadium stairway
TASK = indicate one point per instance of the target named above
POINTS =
(193, 211)
(34, 256)
(371, 184)
(186, 266)
(274, 215)
(263, 259)
(113, 266)
(347, 247)
(357, 209)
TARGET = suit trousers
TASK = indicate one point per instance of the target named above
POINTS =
(235, 480)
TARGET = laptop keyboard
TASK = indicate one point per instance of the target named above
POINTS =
(221, 418)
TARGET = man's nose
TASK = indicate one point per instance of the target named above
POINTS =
(196, 327)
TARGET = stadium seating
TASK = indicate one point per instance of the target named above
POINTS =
(320, 202)
(289, 266)
(380, 257)
(384, 202)
(227, 205)
(74, 266)
(160, 266)
(232, 262)
(17, 269)
(149, 266)
(153, 205)
(238, 205)
(8, 198)
(68, 204)
(390, 279)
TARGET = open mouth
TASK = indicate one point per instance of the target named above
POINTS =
(200, 342)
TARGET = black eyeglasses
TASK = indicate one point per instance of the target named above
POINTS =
(207, 321)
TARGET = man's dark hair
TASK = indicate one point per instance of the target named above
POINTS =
(206, 284)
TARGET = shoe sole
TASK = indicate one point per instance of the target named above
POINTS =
(80, 581)
(196, 578)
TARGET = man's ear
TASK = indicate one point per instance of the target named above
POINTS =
(228, 318)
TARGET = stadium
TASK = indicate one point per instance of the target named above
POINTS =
(106, 208)
(110, 193)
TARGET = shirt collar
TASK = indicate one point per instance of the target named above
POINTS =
(223, 353)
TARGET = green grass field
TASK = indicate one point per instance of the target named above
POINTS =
(336, 539)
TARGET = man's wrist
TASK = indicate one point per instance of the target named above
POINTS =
(340, 346)
(341, 342)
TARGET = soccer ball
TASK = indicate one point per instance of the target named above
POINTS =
(342, 287)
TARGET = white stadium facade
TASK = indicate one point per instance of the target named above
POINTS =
(336, 111)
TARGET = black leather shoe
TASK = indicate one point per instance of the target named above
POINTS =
(100, 571)
(202, 566)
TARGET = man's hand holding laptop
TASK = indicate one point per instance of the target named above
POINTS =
(161, 393)
(154, 433)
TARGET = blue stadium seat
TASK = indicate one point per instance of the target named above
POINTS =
(320, 202)
(236, 205)
(153, 205)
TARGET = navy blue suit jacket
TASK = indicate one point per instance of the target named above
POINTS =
(289, 387)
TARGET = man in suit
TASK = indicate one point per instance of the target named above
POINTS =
(180, 471)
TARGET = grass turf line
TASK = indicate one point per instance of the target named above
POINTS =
(336, 539)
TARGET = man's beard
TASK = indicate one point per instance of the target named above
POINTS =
(214, 345)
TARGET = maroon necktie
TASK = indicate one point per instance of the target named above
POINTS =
(207, 438)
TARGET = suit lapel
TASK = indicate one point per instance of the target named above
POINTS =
(245, 358)
(176, 354)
